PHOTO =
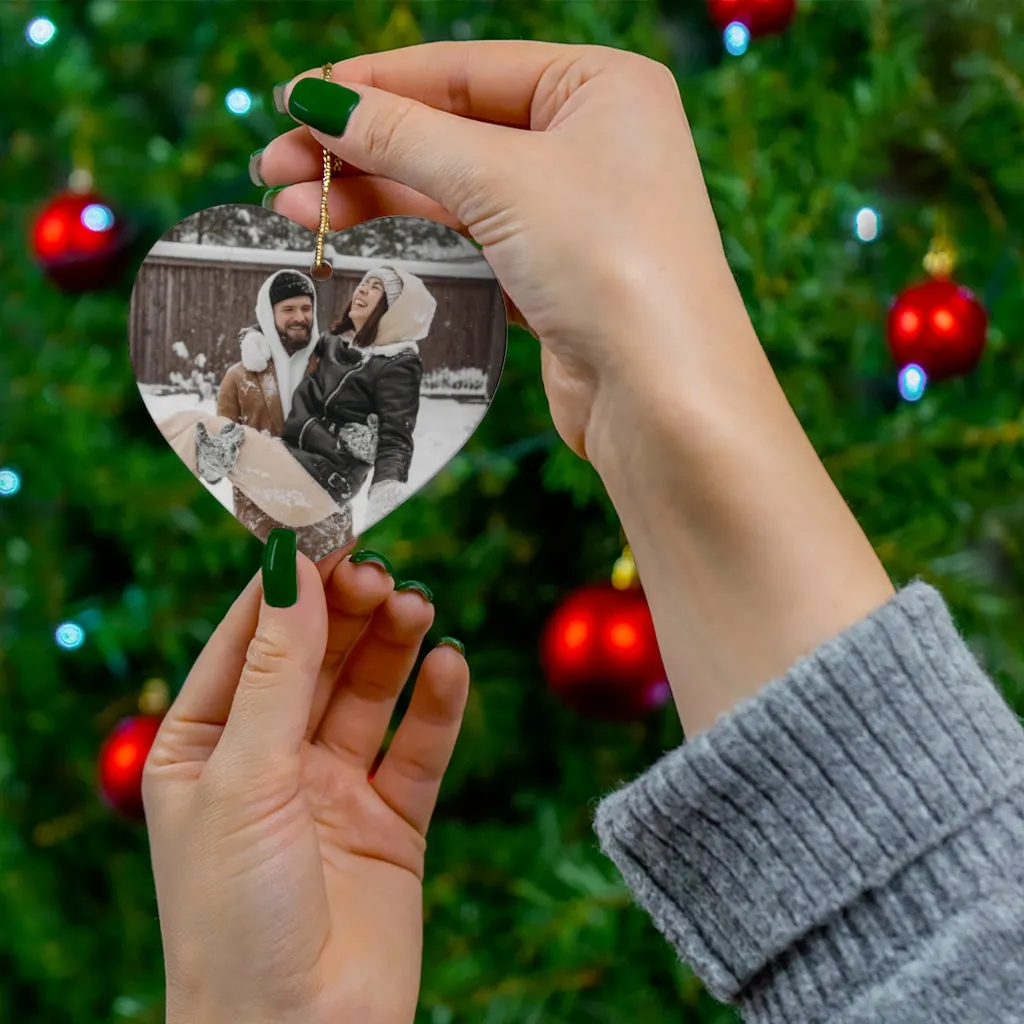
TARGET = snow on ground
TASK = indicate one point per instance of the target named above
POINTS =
(442, 428)
(162, 406)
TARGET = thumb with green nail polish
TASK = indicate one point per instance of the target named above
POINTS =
(275, 689)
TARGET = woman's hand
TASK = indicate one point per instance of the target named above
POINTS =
(575, 170)
(572, 166)
(289, 882)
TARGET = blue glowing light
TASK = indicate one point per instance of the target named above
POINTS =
(10, 483)
(867, 225)
(40, 31)
(97, 217)
(238, 101)
(70, 636)
(913, 380)
(737, 38)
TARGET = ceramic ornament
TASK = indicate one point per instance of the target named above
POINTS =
(315, 380)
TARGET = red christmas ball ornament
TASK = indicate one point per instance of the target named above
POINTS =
(600, 654)
(121, 761)
(938, 325)
(760, 17)
(80, 242)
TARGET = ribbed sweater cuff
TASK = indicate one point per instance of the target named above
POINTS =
(855, 784)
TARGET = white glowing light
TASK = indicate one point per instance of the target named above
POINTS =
(70, 636)
(97, 217)
(10, 483)
(238, 101)
(40, 31)
(867, 225)
(737, 38)
(913, 380)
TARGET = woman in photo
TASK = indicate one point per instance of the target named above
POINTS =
(357, 412)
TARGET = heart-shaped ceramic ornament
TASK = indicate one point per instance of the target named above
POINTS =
(317, 405)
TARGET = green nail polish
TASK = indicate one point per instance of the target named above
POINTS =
(279, 97)
(322, 105)
(450, 641)
(254, 169)
(420, 588)
(268, 197)
(373, 557)
(280, 572)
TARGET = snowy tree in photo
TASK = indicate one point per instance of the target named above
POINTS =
(195, 380)
(405, 238)
(241, 226)
(252, 227)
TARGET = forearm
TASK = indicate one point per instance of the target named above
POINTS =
(749, 556)
(845, 843)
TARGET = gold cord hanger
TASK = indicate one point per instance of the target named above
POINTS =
(321, 270)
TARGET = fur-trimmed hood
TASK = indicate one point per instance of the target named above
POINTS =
(261, 345)
(407, 321)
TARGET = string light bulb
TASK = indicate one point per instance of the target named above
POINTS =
(70, 636)
(40, 32)
(912, 382)
(736, 38)
(238, 101)
(867, 224)
(10, 482)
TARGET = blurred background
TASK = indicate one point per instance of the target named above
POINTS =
(859, 153)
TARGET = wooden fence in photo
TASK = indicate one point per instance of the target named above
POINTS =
(190, 302)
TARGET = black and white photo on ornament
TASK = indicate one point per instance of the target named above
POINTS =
(320, 406)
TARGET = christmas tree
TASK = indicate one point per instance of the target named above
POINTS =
(836, 153)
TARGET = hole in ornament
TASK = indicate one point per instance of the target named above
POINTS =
(322, 273)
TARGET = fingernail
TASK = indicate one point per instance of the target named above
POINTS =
(420, 588)
(450, 641)
(322, 105)
(279, 97)
(268, 197)
(374, 558)
(254, 169)
(280, 573)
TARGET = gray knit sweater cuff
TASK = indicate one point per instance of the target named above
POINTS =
(832, 819)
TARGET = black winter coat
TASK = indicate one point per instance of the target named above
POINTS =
(348, 389)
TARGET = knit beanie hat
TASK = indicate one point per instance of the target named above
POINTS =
(289, 284)
(388, 277)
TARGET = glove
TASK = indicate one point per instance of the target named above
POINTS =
(385, 497)
(339, 488)
(217, 454)
(361, 440)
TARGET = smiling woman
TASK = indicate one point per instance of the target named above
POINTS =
(358, 411)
